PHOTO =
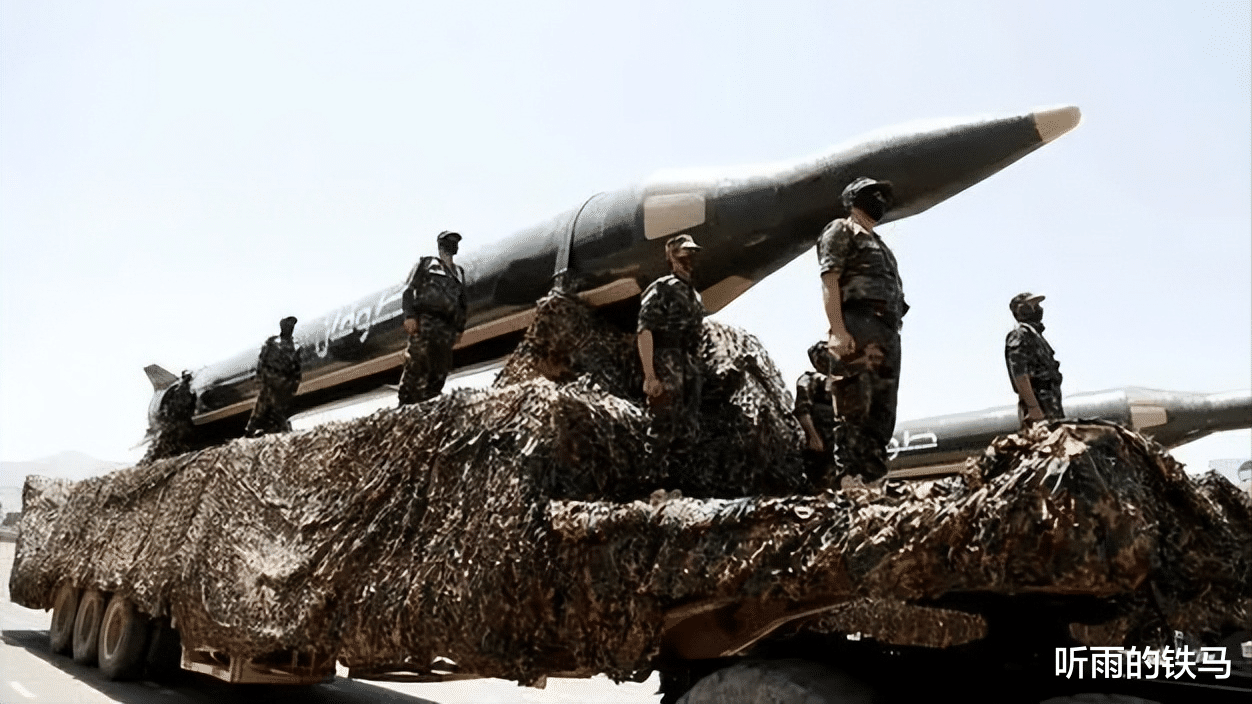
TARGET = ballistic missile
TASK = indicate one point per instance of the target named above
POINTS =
(940, 445)
(751, 221)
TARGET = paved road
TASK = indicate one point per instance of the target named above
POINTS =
(31, 674)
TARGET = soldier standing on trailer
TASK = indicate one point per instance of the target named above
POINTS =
(1033, 369)
(864, 301)
(278, 370)
(671, 321)
(815, 411)
(435, 309)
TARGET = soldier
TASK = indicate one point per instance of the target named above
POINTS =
(173, 428)
(435, 308)
(815, 411)
(671, 317)
(278, 370)
(864, 303)
(1033, 369)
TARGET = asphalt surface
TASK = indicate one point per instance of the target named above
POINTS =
(30, 673)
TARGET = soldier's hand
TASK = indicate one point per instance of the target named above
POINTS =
(652, 387)
(410, 326)
(815, 444)
(1034, 415)
(840, 343)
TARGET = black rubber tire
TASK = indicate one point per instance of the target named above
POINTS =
(64, 609)
(778, 682)
(165, 652)
(123, 640)
(87, 627)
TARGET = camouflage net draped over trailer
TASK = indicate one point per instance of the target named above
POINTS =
(518, 531)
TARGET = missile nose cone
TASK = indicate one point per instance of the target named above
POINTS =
(1054, 122)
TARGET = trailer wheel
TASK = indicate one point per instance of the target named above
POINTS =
(64, 609)
(123, 640)
(87, 627)
(778, 682)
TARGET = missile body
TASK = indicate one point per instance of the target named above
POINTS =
(751, 222)
(941, 444)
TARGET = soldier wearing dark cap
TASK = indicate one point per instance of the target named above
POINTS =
(278, 371)
(435, 308)
(864, 303)
(1033, 369)
(671, 321)
(815, 411)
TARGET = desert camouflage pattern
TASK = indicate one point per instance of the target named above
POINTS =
(427, 359)
(1027, 352)
(174, 431)
(278, 371)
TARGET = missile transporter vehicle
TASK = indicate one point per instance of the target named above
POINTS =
(533, 529)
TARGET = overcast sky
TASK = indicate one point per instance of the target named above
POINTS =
(176, 177)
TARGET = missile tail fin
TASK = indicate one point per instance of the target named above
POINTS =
(160, 378)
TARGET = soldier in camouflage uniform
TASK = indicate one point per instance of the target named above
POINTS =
(173, 430)
(671, 320)
(1033, 369)
(435, 309)
(278, 371)
(864, 303)
(815, 411)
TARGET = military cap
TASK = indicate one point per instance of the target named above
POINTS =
(820, 356)
(1025, 297)
(288, 321)
(861, 184)
(448, 235)
(682, 242)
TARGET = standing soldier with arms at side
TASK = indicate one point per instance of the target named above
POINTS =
(864, 302)
(671, 322)
(435, 308)
(815, 411)
(1033, 369)
(278, 371)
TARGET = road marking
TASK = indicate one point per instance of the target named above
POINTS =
(21, 690)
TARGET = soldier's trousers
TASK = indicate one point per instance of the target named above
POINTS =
(864, 387)
(1049, 398)
(273, 408)
(427, 360)
(676, 411)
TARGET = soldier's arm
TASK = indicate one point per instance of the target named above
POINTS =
(804, 413)
(1021, 382)
(839, 342)
(408, 300)
(651, 385)
(832, 251)
(1016, 355)
(462, 303)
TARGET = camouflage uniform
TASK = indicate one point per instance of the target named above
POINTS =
(1026, 352)
(435, 297)
(278, 371)
(172, 428)
(864, 387)
(813, 399)
(671, 308)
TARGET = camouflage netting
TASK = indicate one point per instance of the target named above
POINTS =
(520, 531)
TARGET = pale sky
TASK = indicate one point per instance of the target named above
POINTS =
(176, 177)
